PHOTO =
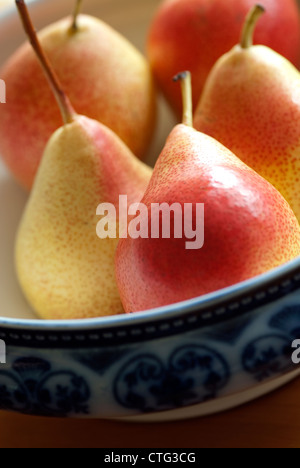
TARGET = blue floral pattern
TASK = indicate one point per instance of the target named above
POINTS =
(106, 377)
(267, 356)
(32, 387)
(288, 320)
(193, 374)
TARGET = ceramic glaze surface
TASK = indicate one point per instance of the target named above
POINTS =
(109, 376)
(185, 360)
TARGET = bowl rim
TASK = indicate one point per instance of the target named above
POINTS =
(173, 311)
(280, 275)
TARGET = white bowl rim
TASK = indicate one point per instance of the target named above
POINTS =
(172, 311)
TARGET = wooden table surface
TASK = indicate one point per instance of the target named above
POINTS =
(271, 422)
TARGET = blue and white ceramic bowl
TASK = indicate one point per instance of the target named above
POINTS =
(191, 359)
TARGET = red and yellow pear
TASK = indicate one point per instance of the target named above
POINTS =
(194, 34)
(106, 78)
(248, 226)
(251, 104)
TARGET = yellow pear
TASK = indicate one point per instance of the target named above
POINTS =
(64, 269)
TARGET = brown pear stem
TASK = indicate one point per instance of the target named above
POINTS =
(185, 79)
(250, 24)
(65, 106)
(77, 9)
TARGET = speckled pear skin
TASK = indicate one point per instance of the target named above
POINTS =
(64, 269)
(193, 34)
(251, 104)
(105, 77)
(249, 227)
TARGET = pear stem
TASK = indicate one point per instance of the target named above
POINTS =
(77, 9)
(185, 79)
(250, 24)
(65, 106)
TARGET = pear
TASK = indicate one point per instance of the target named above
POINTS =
(194, 34)
(105, 76)
(64, 269)
(251, 104)
(248, 227)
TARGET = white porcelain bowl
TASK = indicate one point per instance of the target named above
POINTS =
(191, 359)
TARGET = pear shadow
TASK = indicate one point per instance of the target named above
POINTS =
(12, 203)
(166, 121)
